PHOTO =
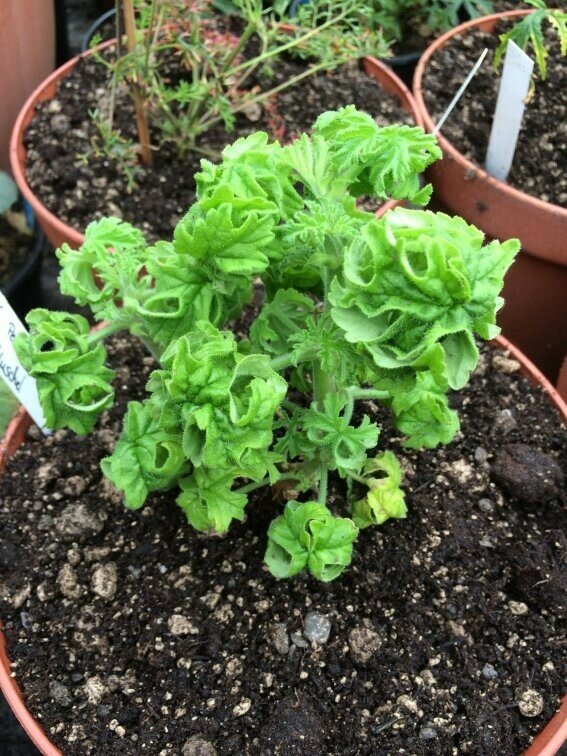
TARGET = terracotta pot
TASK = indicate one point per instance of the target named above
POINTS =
(562, 380)
(547, 743)
(535, 316)
(27, 55)
(59, 232)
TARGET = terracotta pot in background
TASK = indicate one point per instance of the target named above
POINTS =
(27, 55)
(547, 743)
(535, 316)
(59, 232)
(562, 380)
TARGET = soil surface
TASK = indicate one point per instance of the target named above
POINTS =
(79, 189)
(130, 633)
(540, 164)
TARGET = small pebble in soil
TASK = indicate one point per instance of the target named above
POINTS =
(489, 673)
(480, 455)
(279, 637)
(505, 364)
(364, 642)
(518, 607)
(427, 733)
(317, 627)
(531, 703)
(180, 625)
(104, 579)
(68, 582)
(505, 422)
(78, 522)
(485, 505)
(243, 707)
(197, 745)
(60, 693)
(298, 640)
(94, 690)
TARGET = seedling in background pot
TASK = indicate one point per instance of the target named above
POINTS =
(528, 34)
(354, 309)
(213, 78)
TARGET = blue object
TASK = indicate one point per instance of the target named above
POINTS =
(30, 215)
(295, 5)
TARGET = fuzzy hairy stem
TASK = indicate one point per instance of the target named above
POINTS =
(249, 487)
(323, 483)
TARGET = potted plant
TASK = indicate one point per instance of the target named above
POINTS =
(535, 316)
(103, 160)
(413, 23)
(358, 321)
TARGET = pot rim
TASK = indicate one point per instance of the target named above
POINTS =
(546, 743)
(447, 146)
(18, 151)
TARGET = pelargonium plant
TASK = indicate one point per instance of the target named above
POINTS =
(354, 308)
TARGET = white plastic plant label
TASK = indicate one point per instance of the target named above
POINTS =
(22, 385)
(510, 106)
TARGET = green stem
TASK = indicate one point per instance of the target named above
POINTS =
(100, 334)
(149, 38)
(323, 483)
(358, 478)
(265, 482)
(287, 46)
(323, 384)
(154, 349)
(359, 393)
(265, 95)
(279, 363)
(349, 408)
(244, 37)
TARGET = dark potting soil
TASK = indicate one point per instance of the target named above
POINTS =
(78, 190)
(130, 633)
(14, 249)
(540, 163)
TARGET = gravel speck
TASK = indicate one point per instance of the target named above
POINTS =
(279, 637)
(531, 703)
(104, 579)
(60, 693)
(364, 642)
(427, 733)
(489, 673)
(317, 627)
(197, 745)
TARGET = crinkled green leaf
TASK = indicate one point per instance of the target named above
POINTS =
(309, 536)
(279, 320)
(322, 340)
(146, 458)
(186, 291)
(385, 498)
(106, 272)
(72, 379)
(226, 400)
(413, 279)
(208, 501)
(236, 245)
(248, 171)
(423, 414)
(379, 161)
(344, 445)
